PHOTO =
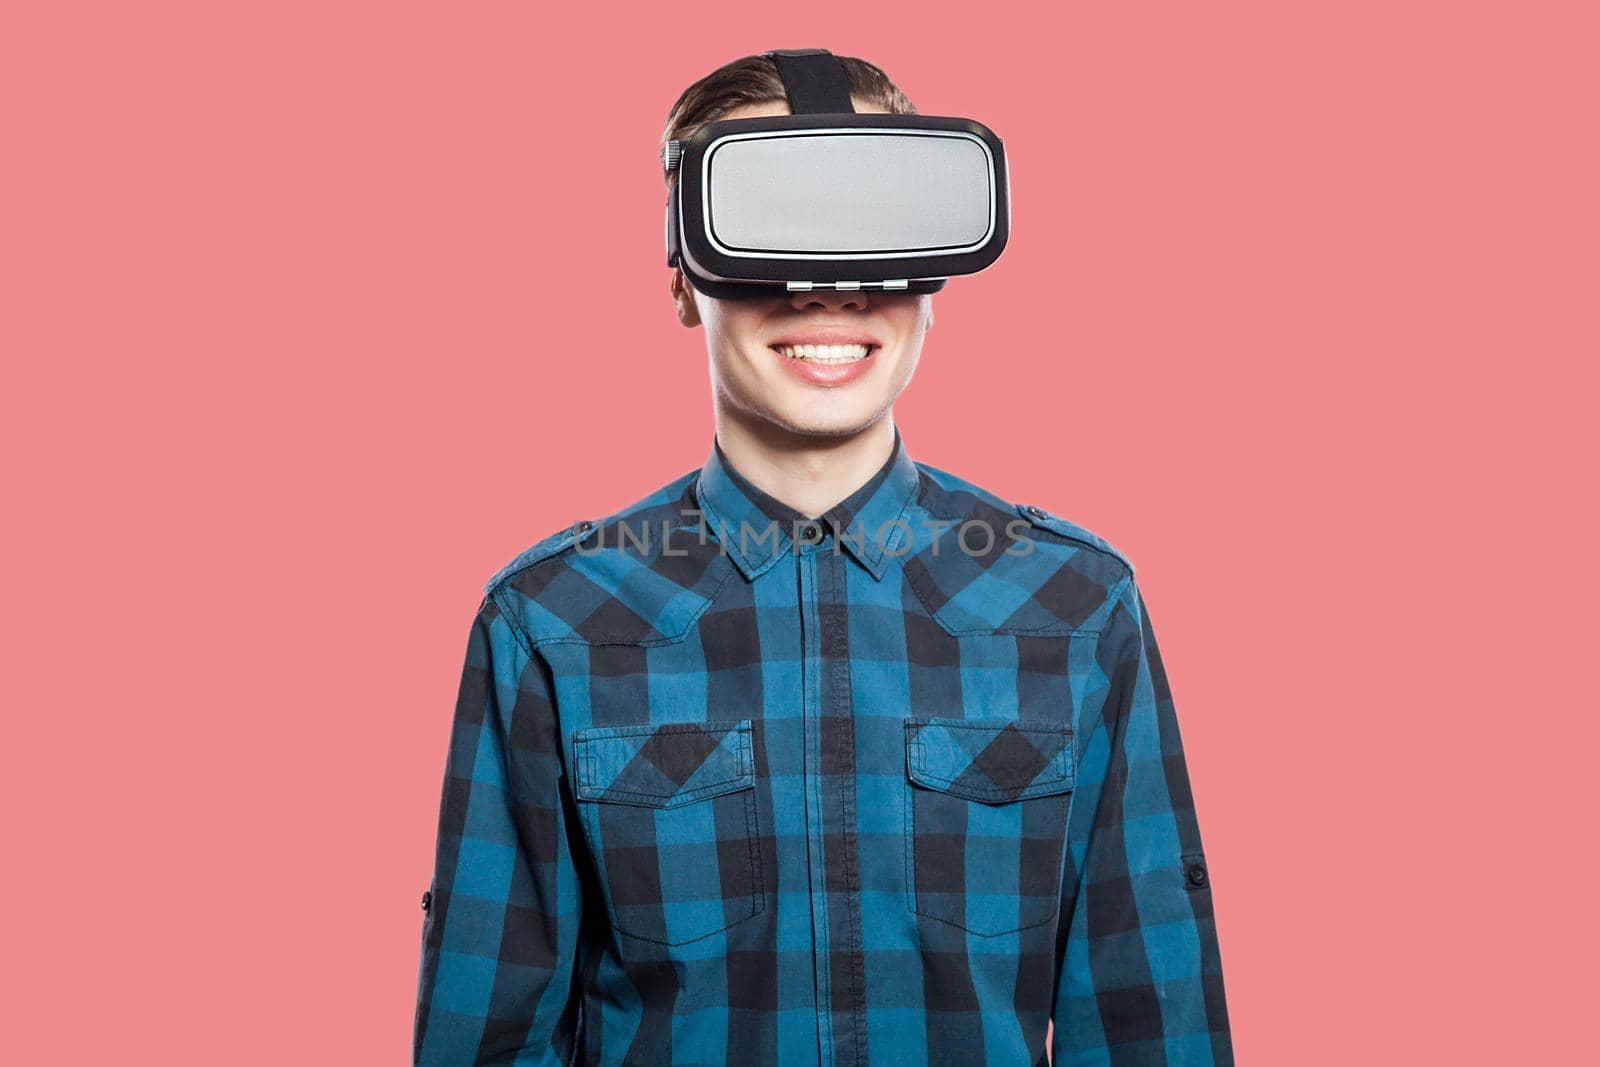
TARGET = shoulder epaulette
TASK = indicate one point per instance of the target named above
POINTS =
(542, 550)
(1072, 531)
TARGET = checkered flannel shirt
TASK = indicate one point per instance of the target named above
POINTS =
(897, 785)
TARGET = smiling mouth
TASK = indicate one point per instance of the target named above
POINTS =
(827, 354)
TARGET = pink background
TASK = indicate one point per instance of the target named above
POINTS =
(308, 316)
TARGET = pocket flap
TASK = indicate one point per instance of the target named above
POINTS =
(664, 765)
(992, 760)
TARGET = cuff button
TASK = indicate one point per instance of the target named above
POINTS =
(427, 901)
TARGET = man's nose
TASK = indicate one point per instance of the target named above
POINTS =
(829, 299)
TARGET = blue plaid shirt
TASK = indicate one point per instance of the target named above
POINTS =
(898, 785)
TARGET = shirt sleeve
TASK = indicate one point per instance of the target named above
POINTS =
(500, 930)
(1141, 979)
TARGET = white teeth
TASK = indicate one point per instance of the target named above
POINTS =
(826, 353)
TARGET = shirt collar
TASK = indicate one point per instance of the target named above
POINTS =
(756, 529)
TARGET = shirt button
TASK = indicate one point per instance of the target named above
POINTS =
(583, 527)
(810, 533)
(1037, 513)
(427, 901)
(1197, 875)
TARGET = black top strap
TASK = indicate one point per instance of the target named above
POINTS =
(813, 78)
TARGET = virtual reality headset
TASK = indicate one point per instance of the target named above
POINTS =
(826, 198)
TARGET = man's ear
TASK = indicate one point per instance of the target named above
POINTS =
(683, 297)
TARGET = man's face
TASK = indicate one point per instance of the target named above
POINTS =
(823, 363)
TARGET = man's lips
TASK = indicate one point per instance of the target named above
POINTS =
(825, 344)
(826, 354)
(826, 335)
(830, 353)
(826, 365)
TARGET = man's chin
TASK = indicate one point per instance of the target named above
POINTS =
(823, 426)
(807, 411)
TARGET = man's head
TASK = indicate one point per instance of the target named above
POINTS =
(823, 363)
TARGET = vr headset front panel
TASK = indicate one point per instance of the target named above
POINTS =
(851, 198)
(847, 194)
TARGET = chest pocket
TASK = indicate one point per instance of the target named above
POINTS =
(986, 821)
(669, 812)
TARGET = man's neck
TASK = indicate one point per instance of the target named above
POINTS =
(809, 473)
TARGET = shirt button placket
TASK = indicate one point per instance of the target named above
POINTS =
(837, 726)
(812, 709)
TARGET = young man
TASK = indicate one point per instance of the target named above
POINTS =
(816, 754)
